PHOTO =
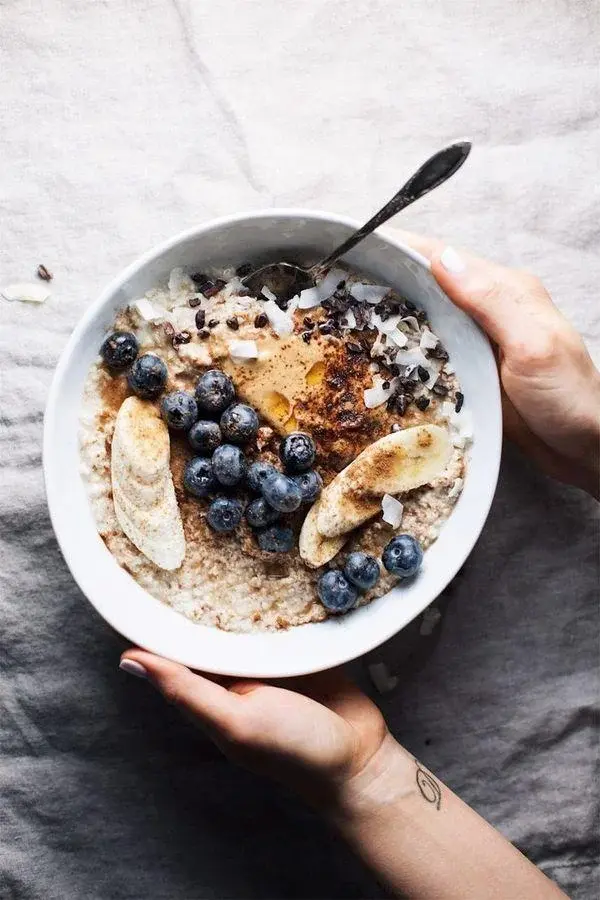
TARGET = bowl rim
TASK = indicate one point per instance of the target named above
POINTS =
(52, 405)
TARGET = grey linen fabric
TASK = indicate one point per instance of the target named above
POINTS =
(124, 122)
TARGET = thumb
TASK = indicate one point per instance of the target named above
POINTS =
(507, 303)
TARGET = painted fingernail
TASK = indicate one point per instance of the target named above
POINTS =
(452, 262)
(133, 668)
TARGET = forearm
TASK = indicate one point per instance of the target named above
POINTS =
(424, 842)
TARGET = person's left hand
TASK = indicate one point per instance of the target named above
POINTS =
(316, 735)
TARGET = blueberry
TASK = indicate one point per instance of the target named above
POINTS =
(119, 350)
(403, 556)
(297, 452)
(259, 513)
(214, 391)
(257, 473)
(179, 410)
(148, 376)
(276, 539)
(281, 492)
(310, 484)
(204, 437)
(199, 478)
(335, 591)
(229, 464)
(362, 570)
(239, 423)
(224, 514)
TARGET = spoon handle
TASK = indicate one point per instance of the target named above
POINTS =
(432, 173)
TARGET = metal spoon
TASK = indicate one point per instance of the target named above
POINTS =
(285, 279)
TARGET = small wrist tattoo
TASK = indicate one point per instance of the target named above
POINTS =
(428, 786)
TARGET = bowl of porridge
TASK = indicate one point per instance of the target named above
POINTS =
(270, 482)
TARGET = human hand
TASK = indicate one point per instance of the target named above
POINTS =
(551, 387)
(330, 744)
(318, 735)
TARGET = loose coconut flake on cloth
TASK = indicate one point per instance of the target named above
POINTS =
(26, 293)
(382, 678)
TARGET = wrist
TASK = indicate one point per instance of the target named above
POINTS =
(387, 778)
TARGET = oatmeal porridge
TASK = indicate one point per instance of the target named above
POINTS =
(260, 462)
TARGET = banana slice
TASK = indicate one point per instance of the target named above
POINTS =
(315, 549)
(143, 492)
(396, 463)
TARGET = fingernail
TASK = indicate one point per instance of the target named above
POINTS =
(452, 262)
(133, 668)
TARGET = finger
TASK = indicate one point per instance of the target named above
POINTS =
(426, 246)
(211, 703)
(490, 293)
(505, 302)
(508, 304)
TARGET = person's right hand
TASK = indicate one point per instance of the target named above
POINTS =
(551, 388)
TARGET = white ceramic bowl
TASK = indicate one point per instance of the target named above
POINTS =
(145, 621)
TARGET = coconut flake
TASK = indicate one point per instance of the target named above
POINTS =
(197, 354)
(292, 305)
(381, 677)
(311, 297)
(377, 395)
(412, 323)
(462, 423)
(328, 286)
(431, 618)
(447, 410)
(182, 318)
(398, 338)
(308, 299)
(411, 359)
(428, 340)
(180, 283)
(26, 293)
(456, 488)
(434, 367)
(449, 369)
(241, 351)
(392, 510)
(268, 294)
(378, 348)
(414, 358)
(369, 293)
(147, 312)
(281, 323)
(386, 326)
